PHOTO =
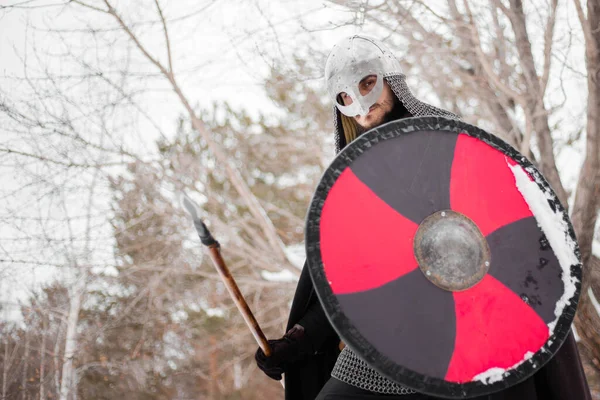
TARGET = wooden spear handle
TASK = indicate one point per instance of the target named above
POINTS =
(215, 254)
(238, 298)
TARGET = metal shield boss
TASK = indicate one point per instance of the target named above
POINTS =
(442, 257)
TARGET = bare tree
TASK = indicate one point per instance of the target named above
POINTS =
(25, 360)
(6, 366)
(9, 361)
(587, 198)
(43, 358)
(168, 73)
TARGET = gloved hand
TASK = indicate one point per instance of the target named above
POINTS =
(292, 347)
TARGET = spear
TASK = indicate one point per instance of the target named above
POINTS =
(214, 249)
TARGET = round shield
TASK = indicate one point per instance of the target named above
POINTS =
(442, 257)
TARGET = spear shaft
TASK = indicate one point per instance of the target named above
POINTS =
(214, 249)
(238, 298)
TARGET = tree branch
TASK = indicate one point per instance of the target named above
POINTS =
(587, 30)
(548, 44)
(57, 162)
(255, 208)
(164, 25)
(534, 101)
(135, 40)
(81, 3)
(487, 66)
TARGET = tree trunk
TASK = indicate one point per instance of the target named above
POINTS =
(6, 364)
(586, 204)
(25, 363)
(535, 108)
(56, 352)
(585, 209)
(43, 358)
(68, 370)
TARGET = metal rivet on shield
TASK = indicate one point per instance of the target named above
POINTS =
(487, 263)
(443, 214)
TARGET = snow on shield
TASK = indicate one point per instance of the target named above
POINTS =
(442, 257)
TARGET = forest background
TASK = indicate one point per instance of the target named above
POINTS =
(109, 109)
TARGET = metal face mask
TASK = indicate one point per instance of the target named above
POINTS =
(352, 62)
(361, 97)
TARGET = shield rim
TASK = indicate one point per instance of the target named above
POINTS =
(353, 338)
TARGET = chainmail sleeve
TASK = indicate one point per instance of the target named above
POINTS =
(352, 370)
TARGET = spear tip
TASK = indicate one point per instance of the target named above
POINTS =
(192, 208)
(188, 205)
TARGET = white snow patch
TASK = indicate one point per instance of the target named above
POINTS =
(282, 276)
(495, 374)
(596, 239)
(179, 316)
(575, 334)
(296, 254)
(596, 247)
(210, 311)
(490, 376)
(594, 300)
(556, 231)
(214, 312)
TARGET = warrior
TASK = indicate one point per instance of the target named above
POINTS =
(366, 84)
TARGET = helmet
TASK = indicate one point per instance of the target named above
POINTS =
(350, 63)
